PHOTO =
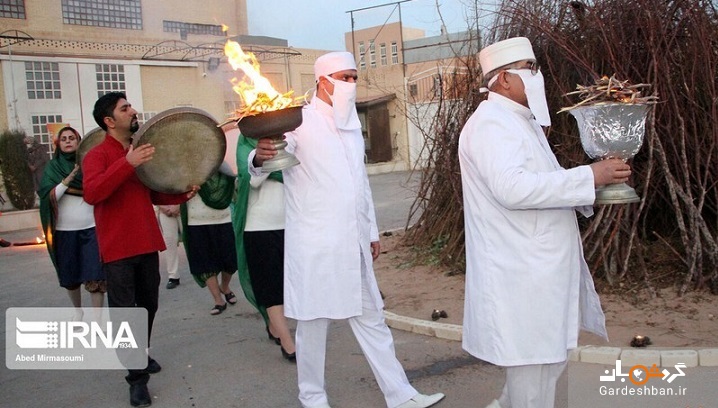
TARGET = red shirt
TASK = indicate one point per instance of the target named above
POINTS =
(125, 221)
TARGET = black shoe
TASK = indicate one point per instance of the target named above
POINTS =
(153, 367)
(4, 243)
(140, 395)
(291, 357)
(173, 283)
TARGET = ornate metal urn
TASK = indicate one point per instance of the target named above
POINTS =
(612, 130)
(273, 124)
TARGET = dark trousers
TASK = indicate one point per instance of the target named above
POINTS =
(135, 282)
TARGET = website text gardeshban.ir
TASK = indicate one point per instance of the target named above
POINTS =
(646, 390)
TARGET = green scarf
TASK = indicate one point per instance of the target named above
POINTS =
(216, 193)
(55, 171)
(239, 216)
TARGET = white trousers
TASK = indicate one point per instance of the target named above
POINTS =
(171, 227)
(376, 342)
(531, 386)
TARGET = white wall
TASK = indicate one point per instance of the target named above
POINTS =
(79, 92)
(423, 114)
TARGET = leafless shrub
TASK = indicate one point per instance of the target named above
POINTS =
(671, 44)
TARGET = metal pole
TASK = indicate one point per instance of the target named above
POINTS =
(401, 41)
(406, 86)
(351, 13)
(12, 79)
(354, 51)
(79, 95)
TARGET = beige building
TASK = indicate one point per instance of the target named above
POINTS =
(402, 76)
(380, 91)
(58, 57)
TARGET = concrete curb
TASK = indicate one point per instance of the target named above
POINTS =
(707, 357)
(425, 327)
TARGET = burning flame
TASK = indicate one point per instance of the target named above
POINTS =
(257, 93)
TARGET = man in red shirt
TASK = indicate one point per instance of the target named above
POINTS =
(127, 230)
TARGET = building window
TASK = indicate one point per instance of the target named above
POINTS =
(107, 13)
(414, 90)
(40, 131)
(143, 117)
(192, 28)
(394, 53)
(110, 78)
(365, 135)
(362, 60)
(372, 54)
(12, 9)
(382, 53)
(43, 80)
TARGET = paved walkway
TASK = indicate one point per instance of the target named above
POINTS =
(226, 361)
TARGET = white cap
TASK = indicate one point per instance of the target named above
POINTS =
(333, 62)
(505, 52)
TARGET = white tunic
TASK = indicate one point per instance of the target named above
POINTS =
(265, 204)
(73, 213)
(199, 213)
(527, 283)
(330, 220)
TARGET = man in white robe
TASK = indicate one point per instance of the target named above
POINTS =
(528, 288)
(331, 239)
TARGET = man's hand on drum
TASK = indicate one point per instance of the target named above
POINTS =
(192, 192)
(170, 210)
(265, 151)
(140, 154)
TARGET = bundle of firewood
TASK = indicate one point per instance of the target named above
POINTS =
(608, 90)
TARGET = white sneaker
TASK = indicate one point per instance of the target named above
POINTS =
(422, 401)
(321, 406)
(494, 404)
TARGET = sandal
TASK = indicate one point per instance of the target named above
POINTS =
(217, 309)
(230, 297)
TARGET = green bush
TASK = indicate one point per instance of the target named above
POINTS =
(15, 171)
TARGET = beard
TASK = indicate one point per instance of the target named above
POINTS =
(134, 126)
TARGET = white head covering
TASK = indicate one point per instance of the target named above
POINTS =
(505, 52)
(513, 50)
(333, 62)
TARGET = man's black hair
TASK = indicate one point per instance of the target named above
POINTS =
(105, 106)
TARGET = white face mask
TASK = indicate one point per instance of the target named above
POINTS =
(535, 94)
(344, 103)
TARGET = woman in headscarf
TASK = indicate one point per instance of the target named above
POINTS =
(69, 223)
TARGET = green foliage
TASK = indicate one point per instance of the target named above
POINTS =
(15, 171)
(669, 44)
(432, 256)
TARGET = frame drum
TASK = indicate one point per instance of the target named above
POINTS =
(189, 148)
(90, 140)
